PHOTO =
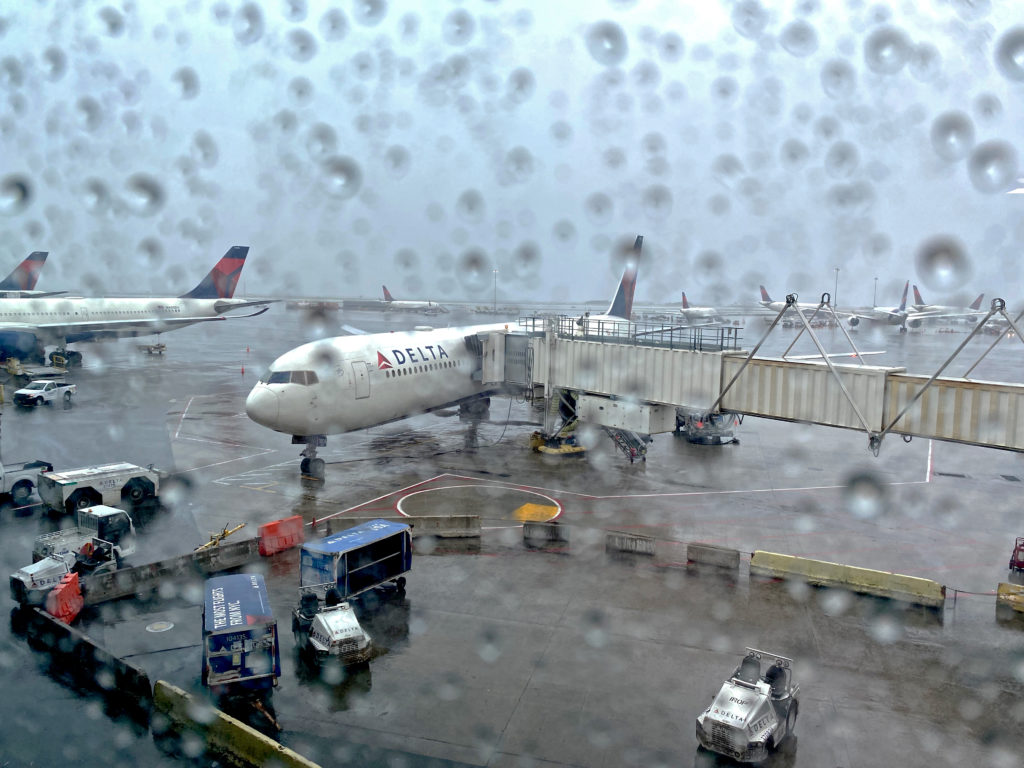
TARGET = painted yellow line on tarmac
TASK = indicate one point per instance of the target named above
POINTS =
(535, 513)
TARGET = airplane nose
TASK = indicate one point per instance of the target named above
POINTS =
(263, 407)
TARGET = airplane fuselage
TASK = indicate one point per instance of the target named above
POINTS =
(338, 385)
(69, 319)
(427, 307)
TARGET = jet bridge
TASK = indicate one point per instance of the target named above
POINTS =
(635, 378)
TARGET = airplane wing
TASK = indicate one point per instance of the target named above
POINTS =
(228, 305)
(239, 317)
(939, 315)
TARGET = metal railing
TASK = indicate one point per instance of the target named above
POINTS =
(707, 338)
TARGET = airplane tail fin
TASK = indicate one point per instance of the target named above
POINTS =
(387, 294)
(903, 301)
(25, 276)
(917, 296)
(686, 304)
(764, 295)
(622, 303)
(976, 304)
(221, 281)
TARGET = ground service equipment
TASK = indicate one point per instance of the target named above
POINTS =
(356, 560)
(121, 484)
(754, 712)
(1017, 556)
(241, 652)
(103, 534)
(31, 584)
(334, 631)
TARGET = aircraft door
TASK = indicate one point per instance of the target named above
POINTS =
(361, 376)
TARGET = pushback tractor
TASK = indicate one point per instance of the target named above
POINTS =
(754, 712)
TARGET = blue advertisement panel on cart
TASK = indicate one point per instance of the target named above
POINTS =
(241, 652)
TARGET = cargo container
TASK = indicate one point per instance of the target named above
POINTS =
(356, 560)
(241, 652)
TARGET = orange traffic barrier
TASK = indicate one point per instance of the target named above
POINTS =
(65, 600)
(279, 535)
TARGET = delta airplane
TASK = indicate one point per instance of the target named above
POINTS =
(898, 315)
(426, 307)
(28, 325)
(339, 385)
(972, 311)
(701, 315)
(21, 283)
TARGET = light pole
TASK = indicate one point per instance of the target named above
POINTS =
(874, 297)
(835, 291)
(495, 291)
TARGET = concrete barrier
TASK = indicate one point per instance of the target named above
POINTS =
(442, 526)
(222, 733)
(89, 663)
(144, 579)
(637, 543)
(1010, 597)
(712, 554)
(545, 533)
(909, 589)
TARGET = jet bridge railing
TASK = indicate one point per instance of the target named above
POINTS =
(701, 338)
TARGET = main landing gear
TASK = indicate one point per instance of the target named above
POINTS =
(70, 357)
(311, 465)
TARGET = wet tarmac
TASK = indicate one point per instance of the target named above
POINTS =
(505, 654)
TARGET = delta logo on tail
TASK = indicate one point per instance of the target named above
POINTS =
(221, 281)
(411, 355)
(25, 275)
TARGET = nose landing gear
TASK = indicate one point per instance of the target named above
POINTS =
(311, 465)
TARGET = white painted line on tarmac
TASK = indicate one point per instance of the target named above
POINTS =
(182, 419)
(262, 452)
(670, 494)
(928, 472)
(383, 496)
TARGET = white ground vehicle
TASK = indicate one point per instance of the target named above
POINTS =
(103, 534)
(99, 543)
(121, 484)
(332, 632)
(18, 479)
(32, 583)
(44, 391)
(754, 712)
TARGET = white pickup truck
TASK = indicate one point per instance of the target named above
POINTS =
(44, 391)
(19, 478)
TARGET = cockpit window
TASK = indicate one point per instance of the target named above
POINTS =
(277, 377)
(289, 377)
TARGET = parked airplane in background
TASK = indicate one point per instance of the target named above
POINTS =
(777, 306)
(426, 307)
(346, 383)
(701, 315)
(29, 325)
(971, 312)
(899, 315)
(21, 283)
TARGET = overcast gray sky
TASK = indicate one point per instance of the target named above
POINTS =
(357, 143)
